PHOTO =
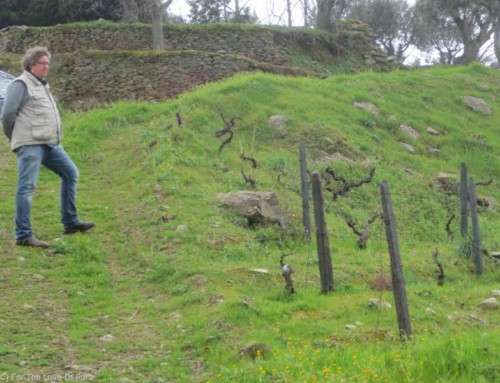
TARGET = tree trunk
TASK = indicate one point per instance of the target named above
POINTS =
(472, 45)
(306, 14)
(289, 12)
(158, 8)
(157, 25)
(324, 14)
(471, 53)
(496, 42)
(237, 11)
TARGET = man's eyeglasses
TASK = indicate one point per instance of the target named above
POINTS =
(46, 63)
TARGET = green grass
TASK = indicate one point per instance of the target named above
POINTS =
(138, 299)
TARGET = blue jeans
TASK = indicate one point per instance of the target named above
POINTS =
(54, 158)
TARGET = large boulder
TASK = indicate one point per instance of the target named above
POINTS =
(477, 104)
(257, 207)
(279, 124)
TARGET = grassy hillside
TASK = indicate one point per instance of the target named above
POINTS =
(162, 290)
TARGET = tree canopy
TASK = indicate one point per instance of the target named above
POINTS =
(51, 12)
(457, 31)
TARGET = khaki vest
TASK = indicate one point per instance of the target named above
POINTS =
(38, 121)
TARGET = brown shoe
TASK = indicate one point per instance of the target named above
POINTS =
(79, 227)
(33, 242)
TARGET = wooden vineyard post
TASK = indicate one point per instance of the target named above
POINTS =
(476, 242)
(306, 217)
(398, 281)
(464, 193)
(325, 260)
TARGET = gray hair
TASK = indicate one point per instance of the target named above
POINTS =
(32, 55)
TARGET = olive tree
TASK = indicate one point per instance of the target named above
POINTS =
(476, 21)
(328, 12)
(391, 21)
(435, 31)
(219, 11)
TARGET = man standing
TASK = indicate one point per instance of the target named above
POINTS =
(32, 124)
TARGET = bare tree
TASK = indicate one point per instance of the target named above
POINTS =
(305, 9)
(289, 12)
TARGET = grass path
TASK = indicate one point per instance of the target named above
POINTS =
(82, 307)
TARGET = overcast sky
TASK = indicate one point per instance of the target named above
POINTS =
(268, 11)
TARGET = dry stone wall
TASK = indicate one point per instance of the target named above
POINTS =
(96, 76)
(105, 61)
(73, 37)
(257, 43)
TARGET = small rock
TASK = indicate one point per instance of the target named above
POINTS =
(368, 106)
(433, 151)
(107, 338)
(410, 148)
(409, 131)
(430, 311)
(279, 124)
(21, 259)
(245, 301)
(377, 303)
(277, 121)
(448, 182)
(182, 229)
(350, 327)
(38, 277)
(385, 305)
(254, 350)
(495, 293)
(260, 271)
(446, 177)
(475, 318)
(157, 189)
(175, 316)
(432, 132)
